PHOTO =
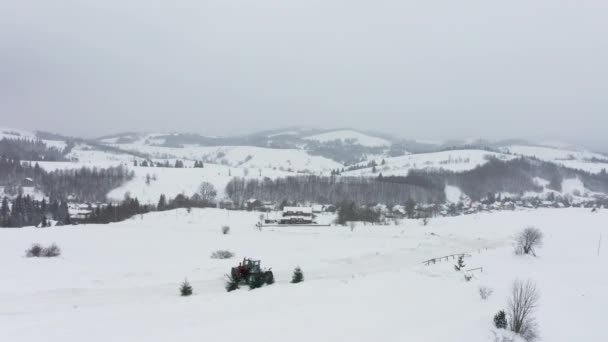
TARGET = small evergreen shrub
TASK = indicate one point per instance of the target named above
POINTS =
(500, 320)
(485, 292)
(222, 254)
(231, 284)
(225, 230)
(468, 277)
(298, 276)
(34, 251)
(186, 289)
(460, 265)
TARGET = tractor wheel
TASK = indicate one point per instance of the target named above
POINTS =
(269, 278)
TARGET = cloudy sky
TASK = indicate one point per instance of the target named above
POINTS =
(416, 69)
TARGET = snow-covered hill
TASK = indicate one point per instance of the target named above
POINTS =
(576, 159)
(349, 136)
(456, 160)
(119, 282)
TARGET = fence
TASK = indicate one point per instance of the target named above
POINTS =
(447, 258)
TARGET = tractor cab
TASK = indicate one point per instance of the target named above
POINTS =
(253, 266)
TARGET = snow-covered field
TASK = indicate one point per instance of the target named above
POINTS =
(457, 160)
(119, 282)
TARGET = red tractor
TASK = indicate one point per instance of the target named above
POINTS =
(250, 272)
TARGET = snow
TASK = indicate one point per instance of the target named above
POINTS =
(572, 186)
(454, 160)
(243, 156)
(575, 159)
(349, 135)
(119, 282)
(174, 181)
(453, 194)
(12, 133)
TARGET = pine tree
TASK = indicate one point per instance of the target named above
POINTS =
(4, 213)
(231, 284)
(500, 320)
(460, 265)
(162, 202)
(185, 290)
(298, 276)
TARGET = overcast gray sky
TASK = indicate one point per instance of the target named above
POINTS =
(417, 69)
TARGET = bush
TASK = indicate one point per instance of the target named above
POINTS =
(500, 320)
(298, 276)
(225, 230)
(485, 292)
(231, 284)
(468, 277)
(51, 251)
(222, 254)
(37, 251)
(34, 251)
(460, 265)
(528, 240)
(185, 290)
(522, 304)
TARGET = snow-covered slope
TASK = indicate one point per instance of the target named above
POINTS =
(350, 136)
(120, 282)
(576, 159)
(12, 133)
(456, 160)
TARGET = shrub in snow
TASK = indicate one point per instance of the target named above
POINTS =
(231, 284)
(185, 289)
(34, 251)
(500, 320)
(468, 277)
(528, 241)
(222, 254)
(425, 220)
(352, 226)
(522, 304)
(485, 292)
(225, 230)
(51, 251)
(460, 265)
(298, 275)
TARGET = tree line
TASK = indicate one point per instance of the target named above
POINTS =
(320, 189)
(26, 149)
(24, 211)
(81, 185)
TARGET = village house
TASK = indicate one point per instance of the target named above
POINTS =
(296, 215)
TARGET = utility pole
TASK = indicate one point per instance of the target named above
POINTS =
(599, 245)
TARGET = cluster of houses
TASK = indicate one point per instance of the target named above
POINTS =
(307, 214)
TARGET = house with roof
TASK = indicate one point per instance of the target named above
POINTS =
(296, 215)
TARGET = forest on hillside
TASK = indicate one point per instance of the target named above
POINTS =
(515, 176)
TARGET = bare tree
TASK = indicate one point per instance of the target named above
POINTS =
(207, 191)
(522, 304)
(528, 240)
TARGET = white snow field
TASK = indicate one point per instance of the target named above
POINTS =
(120, 282)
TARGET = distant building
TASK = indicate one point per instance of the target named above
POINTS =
(296, 215)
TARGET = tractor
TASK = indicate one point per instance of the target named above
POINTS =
(250, 273)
